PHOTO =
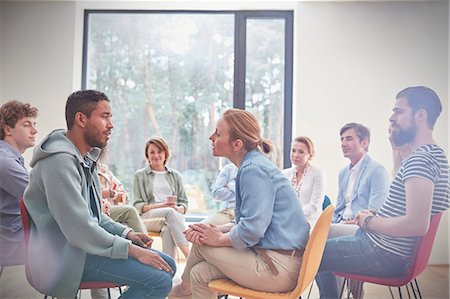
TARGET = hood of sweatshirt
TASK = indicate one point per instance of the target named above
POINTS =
(56, 142)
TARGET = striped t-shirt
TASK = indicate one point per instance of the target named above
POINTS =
(428, 162)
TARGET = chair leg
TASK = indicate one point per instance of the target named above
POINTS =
(348, 288)
(359, 290)
(418, 289)
(342, 288)
(413, 290)
(310, 289)
(400, 293)
(1, 271)
(390, 291)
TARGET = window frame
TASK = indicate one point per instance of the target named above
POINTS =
(240, 28)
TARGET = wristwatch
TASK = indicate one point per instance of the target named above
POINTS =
(112, 193)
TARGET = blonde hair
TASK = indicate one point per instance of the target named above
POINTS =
(306, 141)
(244, 126)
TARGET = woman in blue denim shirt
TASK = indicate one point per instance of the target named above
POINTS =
(263, 250)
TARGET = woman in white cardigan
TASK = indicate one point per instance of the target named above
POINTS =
(307, 180)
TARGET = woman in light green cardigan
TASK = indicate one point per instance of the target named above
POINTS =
(160, 198)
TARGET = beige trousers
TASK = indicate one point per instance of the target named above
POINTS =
(245, 267)
(128, 216)
(221, 217)
(170, 224)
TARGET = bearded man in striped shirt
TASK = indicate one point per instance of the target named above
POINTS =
(383, 244)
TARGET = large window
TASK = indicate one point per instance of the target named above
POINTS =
(172, 74)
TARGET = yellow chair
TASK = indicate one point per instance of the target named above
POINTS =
(310, 264)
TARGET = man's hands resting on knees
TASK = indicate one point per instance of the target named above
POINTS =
(138, 251)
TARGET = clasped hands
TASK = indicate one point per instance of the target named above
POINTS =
(363, 214)
(204, 234)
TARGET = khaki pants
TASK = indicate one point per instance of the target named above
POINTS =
(221, 217)
(171, 225)
(245, 267)
(128, 216)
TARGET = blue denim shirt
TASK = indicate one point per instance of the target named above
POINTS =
(268, 213)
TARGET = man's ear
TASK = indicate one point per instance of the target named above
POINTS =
(421, 115)
(8, 130)
(365, 143)
(80, 119)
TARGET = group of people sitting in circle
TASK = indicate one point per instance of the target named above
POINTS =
(258, 237)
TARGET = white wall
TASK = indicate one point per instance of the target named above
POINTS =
(37, 44)
(350, 61)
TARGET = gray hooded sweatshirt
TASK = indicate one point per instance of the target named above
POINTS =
(64, 227)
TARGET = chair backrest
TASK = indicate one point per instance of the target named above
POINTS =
(419, 262)
(423, 248)
(313, 252)
(26, 224)
(326, 202)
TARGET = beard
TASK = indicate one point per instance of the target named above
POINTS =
(404, 135)
(94, 138)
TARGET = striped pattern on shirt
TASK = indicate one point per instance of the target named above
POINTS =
(428, 162)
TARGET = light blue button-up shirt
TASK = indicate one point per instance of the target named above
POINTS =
(13, 181)
(268, 213)
(224, 188)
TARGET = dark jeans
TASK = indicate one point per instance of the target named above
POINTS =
(357, 255)
(144, 281)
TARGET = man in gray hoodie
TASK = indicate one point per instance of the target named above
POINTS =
(71, 240)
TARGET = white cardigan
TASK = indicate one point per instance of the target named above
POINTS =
(312, 192)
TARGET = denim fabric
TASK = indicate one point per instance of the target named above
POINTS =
(144, 281)
(268, 213)
(357, 255)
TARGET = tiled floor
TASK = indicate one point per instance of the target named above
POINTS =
(434, 283)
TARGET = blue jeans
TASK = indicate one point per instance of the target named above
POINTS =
(357, 255)
(144, 281)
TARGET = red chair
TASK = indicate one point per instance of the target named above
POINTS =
(26, 222)
(421, 254)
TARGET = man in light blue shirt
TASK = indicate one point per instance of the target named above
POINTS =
(17, 133)
(362, 185)
(223, 190)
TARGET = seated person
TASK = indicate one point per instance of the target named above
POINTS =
(71, 241)
(155, 189)
(266, 244)
(362, 185)
(307, 180)
(116, 200)
(17, 134)
(384, 243)
(223, 190)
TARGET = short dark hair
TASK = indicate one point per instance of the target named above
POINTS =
(11, 112)
(422, 97)
(84, 101)
(361, 131)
